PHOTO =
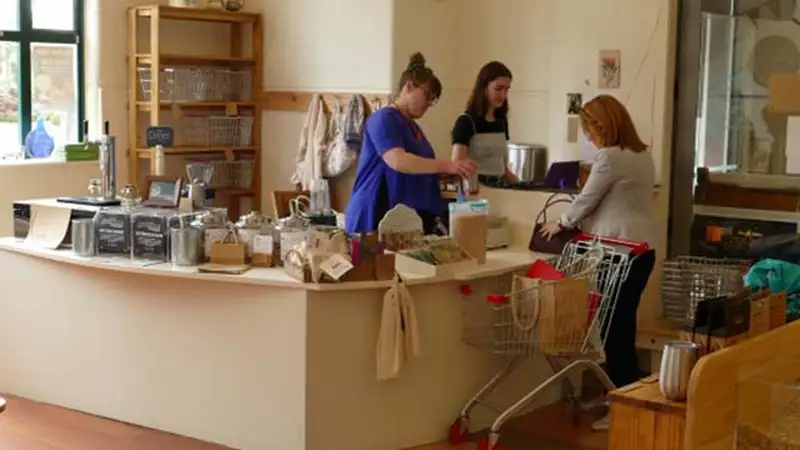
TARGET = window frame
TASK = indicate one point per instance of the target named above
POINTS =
(27, 35)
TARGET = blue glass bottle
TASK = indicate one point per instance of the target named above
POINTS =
(38, 142)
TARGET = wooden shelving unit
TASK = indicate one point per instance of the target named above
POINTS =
(210, 100)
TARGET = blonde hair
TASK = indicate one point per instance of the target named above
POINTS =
(610, 124)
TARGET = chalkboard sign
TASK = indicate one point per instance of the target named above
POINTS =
(163, 136)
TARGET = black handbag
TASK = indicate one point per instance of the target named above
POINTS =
(556, 244)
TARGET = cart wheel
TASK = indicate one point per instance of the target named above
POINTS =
(484, 445)
(458, 431)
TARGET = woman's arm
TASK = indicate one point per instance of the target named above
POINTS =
(402, 161)
(462, 133)
(459, 152)
(601, 178)
(386, 132)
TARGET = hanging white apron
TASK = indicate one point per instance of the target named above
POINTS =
(488, 150)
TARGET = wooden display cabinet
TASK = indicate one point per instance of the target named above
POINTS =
(211, 100)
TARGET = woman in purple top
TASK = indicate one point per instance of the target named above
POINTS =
(397, 163)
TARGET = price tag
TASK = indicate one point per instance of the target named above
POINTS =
(336, 266)
(163, 136)
(263, 245)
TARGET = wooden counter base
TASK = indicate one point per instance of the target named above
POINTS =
(642, 419)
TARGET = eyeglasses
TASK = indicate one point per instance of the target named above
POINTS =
(430, 96)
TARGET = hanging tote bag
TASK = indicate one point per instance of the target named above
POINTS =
(354, 117)
(339, 156)
(313, 140)
(556, 244)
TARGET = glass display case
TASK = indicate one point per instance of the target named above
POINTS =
(743, 44)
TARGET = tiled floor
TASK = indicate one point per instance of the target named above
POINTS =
(28, 425)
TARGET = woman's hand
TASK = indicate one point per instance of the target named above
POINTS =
(465, 168)
(550, 229)
(510, 177)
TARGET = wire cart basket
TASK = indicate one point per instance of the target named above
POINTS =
(563, 320)
(687, 280)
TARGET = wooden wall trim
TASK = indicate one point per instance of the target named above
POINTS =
(298, 101)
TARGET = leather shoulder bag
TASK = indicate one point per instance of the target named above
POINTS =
(556, 244)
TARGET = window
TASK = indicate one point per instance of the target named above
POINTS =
(41, 75)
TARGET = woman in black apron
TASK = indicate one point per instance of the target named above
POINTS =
(481, 132)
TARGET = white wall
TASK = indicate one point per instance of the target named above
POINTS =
(552, 49)
(362, 46)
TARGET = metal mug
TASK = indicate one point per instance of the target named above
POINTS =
(83, 242)
(677, 361)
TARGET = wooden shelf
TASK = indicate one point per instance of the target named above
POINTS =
(144, 153)
(189, 60)
(147, 106)
(246, 35)
(195, 14)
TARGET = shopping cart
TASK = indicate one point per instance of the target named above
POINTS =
(563, 320)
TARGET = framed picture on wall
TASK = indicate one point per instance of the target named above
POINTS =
(609, 69)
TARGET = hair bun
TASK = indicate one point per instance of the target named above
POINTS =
(416, 61)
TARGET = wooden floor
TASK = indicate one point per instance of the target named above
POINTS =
(28, 425)
(550, 428)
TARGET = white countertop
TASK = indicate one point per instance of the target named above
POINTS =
(497, 263)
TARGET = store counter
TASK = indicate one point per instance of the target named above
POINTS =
(255, 361)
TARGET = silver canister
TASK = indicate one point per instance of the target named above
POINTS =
(677, 361)
(527, 161)
(83, 243)
(184, 246)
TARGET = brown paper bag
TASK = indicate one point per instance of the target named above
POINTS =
(230, 251)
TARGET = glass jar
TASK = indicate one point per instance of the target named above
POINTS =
(289, 232)
(95, 189)
(249, 227)
(215, 228)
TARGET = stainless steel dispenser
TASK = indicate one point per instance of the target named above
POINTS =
(108, 163)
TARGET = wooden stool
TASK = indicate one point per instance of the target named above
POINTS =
(642, 419)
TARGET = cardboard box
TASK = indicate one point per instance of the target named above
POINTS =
(405, 264)
(784, 94)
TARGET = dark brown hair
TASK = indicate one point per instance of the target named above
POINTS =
(607, 119)
(478, 103)
(419, 74)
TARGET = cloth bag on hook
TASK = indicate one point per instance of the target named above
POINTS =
(340, 154)
(313, 144)
(398, 338)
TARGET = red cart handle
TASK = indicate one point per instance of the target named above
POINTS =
(637, 248)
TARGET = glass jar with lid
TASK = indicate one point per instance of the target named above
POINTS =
(289, 232)
(249, 227)
(215, 228)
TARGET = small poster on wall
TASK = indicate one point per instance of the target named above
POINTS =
(609, 69)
